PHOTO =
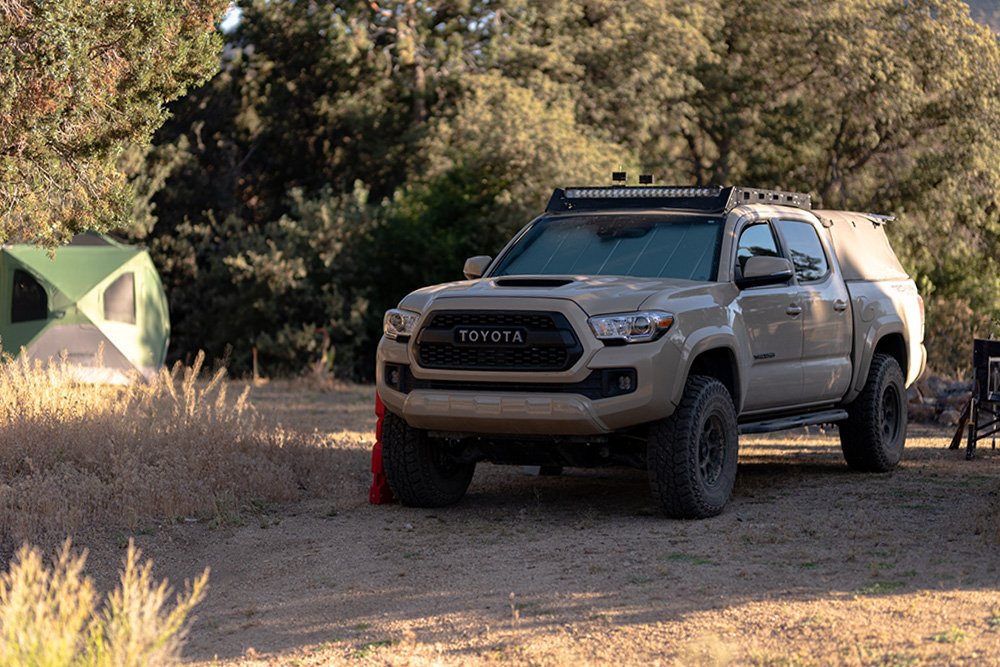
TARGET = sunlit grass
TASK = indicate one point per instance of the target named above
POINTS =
(49, 615)
(73, 455)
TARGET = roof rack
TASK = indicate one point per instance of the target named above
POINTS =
(712, 199)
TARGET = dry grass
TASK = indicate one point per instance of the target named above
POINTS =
(49, 618)
(74, 455)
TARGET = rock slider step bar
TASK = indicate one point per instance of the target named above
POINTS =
(784, 423)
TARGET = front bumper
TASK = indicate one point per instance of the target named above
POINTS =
(501, 412)
(537, 412)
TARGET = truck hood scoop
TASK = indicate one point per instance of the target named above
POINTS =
(532, 282)
(595, 295)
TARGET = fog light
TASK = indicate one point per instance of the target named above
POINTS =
(395, 377)
(617, 382)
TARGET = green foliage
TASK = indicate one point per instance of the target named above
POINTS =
(871, 105)
(79, 82)
(348, 152)
(488, 170)
(286, 287)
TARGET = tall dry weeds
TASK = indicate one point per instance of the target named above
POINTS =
(49, 617)
(73, 455)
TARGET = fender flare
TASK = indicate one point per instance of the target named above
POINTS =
(712, 338)
(879, 329)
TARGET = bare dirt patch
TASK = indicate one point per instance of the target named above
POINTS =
(810, 564)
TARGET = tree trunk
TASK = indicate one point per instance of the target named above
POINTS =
(419, 69)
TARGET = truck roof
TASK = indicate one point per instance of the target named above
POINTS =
(859, 239)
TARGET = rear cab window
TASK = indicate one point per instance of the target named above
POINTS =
(805, 250)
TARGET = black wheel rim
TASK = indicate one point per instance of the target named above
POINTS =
(443, 460)
(891, 412)
(712, 449)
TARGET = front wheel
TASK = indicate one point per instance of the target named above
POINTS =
(692, 455)
(874, 432)
(418, 468)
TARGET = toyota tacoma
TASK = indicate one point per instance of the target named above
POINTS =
(650, 326)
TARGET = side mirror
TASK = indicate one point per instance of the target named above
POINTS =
(475, 267)
(760, 271)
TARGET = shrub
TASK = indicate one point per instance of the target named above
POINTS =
(48, 616)
(73, 455)
(952, 323)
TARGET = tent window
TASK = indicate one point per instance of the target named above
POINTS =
(119, 299)
(28, 299)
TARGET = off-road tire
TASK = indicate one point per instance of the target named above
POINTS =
(415, 466)
(691, 456)
(873, 435)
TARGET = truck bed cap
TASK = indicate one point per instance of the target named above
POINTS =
(861, 246)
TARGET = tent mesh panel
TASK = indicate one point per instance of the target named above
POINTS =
(119, 299)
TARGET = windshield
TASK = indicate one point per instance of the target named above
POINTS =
(645, 246)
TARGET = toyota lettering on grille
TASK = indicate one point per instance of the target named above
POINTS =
(491, 336)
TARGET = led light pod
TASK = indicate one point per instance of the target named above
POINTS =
(639, 192)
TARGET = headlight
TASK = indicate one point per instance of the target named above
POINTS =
(399, 323)
(639, 327)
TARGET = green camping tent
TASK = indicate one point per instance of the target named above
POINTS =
(94, 292)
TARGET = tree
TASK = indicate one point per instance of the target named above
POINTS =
(349, 151)
(622, 66)
(313, 99)
(80, 81)
(872, 105)
(488, 170)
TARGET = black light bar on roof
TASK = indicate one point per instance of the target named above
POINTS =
(642, 191)
(712, 199)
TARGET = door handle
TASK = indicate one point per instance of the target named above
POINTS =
(840, 305)
(793, 310)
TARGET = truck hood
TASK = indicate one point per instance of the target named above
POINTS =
(596, 295)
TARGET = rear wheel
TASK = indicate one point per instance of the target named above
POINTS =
(873, 435)
(418, 468)
(692, 454)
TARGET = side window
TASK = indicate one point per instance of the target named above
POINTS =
(805, 249)
(756, 241)
(119, 299)
(28, 299)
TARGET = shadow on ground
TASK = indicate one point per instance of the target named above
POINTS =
(586, 546)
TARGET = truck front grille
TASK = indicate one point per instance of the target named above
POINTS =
(498, 341)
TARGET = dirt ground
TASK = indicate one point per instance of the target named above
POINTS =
(809, 564)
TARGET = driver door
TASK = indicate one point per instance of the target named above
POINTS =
(772, 315)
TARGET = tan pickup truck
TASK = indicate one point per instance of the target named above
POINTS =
(650, 326)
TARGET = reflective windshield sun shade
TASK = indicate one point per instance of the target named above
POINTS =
(646, 246)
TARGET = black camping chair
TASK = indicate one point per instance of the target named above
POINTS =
(983, 411)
